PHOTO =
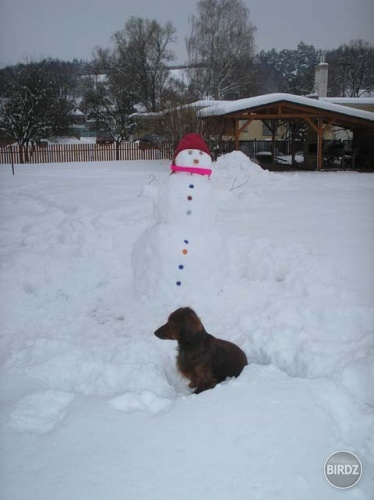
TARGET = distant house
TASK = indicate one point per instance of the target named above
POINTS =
(77, 116)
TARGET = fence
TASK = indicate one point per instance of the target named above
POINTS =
(252, 148)
(60, 153)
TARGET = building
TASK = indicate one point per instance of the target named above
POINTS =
(320, 116)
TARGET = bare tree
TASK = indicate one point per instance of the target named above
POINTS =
(351, 69)
(177, 121)
(141, 51)
(220, 48)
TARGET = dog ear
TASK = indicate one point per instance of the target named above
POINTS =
(191, 329)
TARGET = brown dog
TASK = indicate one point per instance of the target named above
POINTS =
(202, 358)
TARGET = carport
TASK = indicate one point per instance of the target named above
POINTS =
(274, 108)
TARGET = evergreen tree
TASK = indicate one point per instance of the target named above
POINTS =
(290, 71)
(32, 108)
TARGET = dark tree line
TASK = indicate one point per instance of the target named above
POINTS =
(351, 69)
(36, 98)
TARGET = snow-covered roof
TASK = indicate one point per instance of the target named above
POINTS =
(204, 103)
(76, 112)
(350, 101)
(218, 108)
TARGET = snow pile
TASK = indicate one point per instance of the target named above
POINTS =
(235, 170)
(91, 399)
(142, 401)
(40, 412)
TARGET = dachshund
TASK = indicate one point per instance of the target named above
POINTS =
(202, 358)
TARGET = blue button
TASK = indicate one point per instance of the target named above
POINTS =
(179, 283)
(181, 267)
(191, 186)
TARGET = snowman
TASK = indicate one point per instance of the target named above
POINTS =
(182, 256)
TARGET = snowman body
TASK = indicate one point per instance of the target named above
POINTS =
(182, 255)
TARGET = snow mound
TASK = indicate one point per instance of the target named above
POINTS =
(143, 401)
(300, 320)
(237, 168)
(106, 368)
(40, 412)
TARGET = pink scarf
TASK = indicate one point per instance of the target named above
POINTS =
(192, 170)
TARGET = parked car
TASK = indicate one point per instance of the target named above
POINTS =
(104, 140)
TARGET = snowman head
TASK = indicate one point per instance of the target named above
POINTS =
(192, 155)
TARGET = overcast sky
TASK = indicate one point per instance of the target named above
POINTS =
(68, 29)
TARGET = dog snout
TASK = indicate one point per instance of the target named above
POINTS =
(162, 332)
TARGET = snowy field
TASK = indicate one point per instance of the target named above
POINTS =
(92, 405)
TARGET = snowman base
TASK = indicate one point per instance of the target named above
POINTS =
(172, 265)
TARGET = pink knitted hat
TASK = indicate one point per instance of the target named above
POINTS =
(191, 141)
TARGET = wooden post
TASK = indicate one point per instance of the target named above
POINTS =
(319, 131)
(11, 158)
(273, 129)
(320, 144)
(236, 135)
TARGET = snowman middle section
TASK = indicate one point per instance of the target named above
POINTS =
(183, 254)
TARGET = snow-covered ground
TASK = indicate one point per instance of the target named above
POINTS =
(92, 405)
